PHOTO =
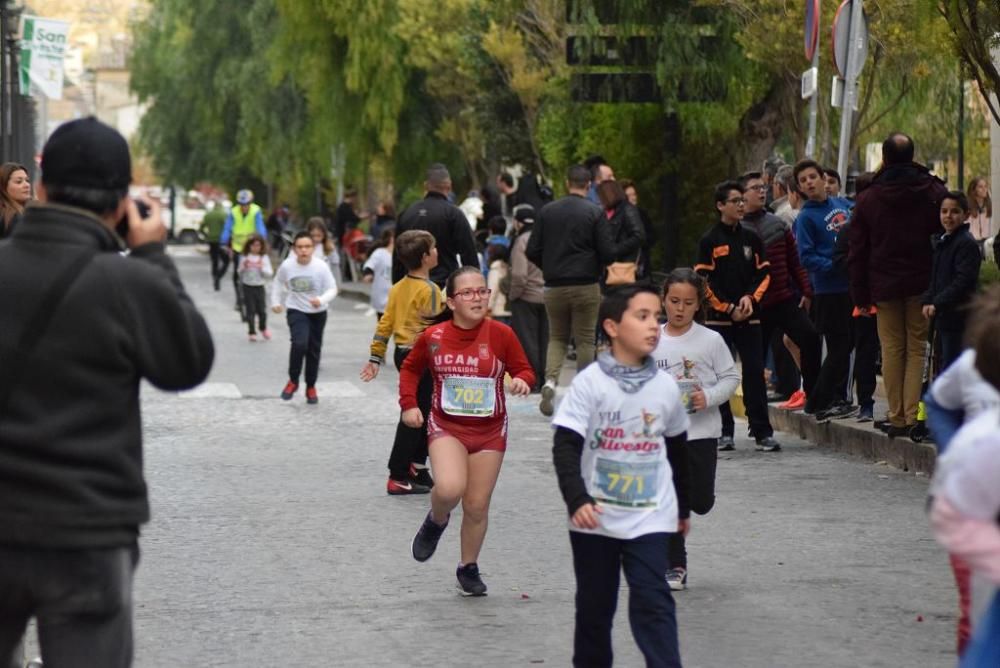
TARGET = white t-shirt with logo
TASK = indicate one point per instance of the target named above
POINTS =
(296, 284)
(624, 463)
(961, 387)
(699, 359)
(380, 263)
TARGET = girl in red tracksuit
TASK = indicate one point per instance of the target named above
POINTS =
(468, 355)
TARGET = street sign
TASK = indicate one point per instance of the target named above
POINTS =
(810, 81)
(837, 94)
(842, 40)
(43, 45)
(606, 51)
(812, 28)
(636, 87)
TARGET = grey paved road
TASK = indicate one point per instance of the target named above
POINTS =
(273, 542)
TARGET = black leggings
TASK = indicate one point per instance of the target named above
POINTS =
(256, 306)
(702, 458)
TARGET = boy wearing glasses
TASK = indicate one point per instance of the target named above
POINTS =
(304, 287)
(413, 301)
(816, 229)
(732, 260)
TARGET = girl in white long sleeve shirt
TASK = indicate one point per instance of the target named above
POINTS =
(699, 360)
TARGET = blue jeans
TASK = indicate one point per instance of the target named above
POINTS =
(598, 562)
(82, 600)
(307, 343)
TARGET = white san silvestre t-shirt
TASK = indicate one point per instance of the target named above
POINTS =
(380, 263)
(699, 359)
(961, 387)
(295, 284)
(624, 463)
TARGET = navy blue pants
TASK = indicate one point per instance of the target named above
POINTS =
(307, 343)
(598, 562)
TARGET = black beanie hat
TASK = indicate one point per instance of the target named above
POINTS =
(86, 153)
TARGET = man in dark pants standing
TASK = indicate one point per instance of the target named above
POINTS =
(452, 234)
(527, 296)
(817, 228)
(83, 325)
(211, 229)
(786, 302)
(732, 260)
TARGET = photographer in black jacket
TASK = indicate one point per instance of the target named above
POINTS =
(83, 325)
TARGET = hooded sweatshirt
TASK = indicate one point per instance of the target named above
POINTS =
(816, 231)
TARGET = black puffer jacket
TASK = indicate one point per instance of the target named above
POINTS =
(71, 434)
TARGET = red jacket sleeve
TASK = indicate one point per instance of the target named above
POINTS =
(514, 357)
(409, 374)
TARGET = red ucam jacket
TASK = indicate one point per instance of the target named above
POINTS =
(783, 254)
(890, 234)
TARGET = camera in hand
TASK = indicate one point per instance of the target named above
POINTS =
(122, 227)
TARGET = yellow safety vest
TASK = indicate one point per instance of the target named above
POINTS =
(243, 226)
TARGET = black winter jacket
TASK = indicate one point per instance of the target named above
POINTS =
(954, 275)
(572, 242)
(70, 435)
(627, 232)
(435, 214)
(734, 264)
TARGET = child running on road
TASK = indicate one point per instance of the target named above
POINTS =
(467, 354)
(255, 269)
(699, 360)
(378, 271)
(305, 287)
(412, 303)
(625, 496)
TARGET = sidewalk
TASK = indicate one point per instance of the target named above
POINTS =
(847, 436)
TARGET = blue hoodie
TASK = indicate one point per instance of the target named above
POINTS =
(816, 230)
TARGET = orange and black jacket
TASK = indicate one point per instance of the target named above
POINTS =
(733, 262)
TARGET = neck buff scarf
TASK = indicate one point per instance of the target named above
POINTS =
(629, 379)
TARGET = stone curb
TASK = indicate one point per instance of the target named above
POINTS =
(901, 453)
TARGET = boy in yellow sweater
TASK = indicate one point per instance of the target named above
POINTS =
(413, 301)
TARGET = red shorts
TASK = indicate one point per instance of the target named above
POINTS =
(492, 435)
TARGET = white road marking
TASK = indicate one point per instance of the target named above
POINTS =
(338, 389)
(213, 391)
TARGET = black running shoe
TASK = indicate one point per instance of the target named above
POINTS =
(768, 444)
(469, 582)
(426, 540)
(421, 475)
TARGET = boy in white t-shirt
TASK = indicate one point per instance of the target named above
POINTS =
(621, 457)
(305, 287)
(378, 271)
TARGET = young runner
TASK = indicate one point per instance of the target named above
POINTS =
(467, 354)
(699, 360)
(412, 303)
(378, 271)
(624, 495)
(305, 287)
(255, 269)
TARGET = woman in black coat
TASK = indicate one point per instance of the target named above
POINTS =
(622, 235)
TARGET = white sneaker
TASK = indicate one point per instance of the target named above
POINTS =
(548, 395)
(677, 579)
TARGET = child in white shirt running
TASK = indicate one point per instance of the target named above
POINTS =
(699, 360)
(378, 271)
(621, 457)
(305, 287)
(255, 269)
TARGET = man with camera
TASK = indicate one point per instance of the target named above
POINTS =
(83, 324)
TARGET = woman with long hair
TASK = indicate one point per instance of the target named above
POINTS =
(980, 210)
(15, 193)
(623, 236)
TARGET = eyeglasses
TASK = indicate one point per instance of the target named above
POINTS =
(760, 187)
(471, 293)
(736, 201)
